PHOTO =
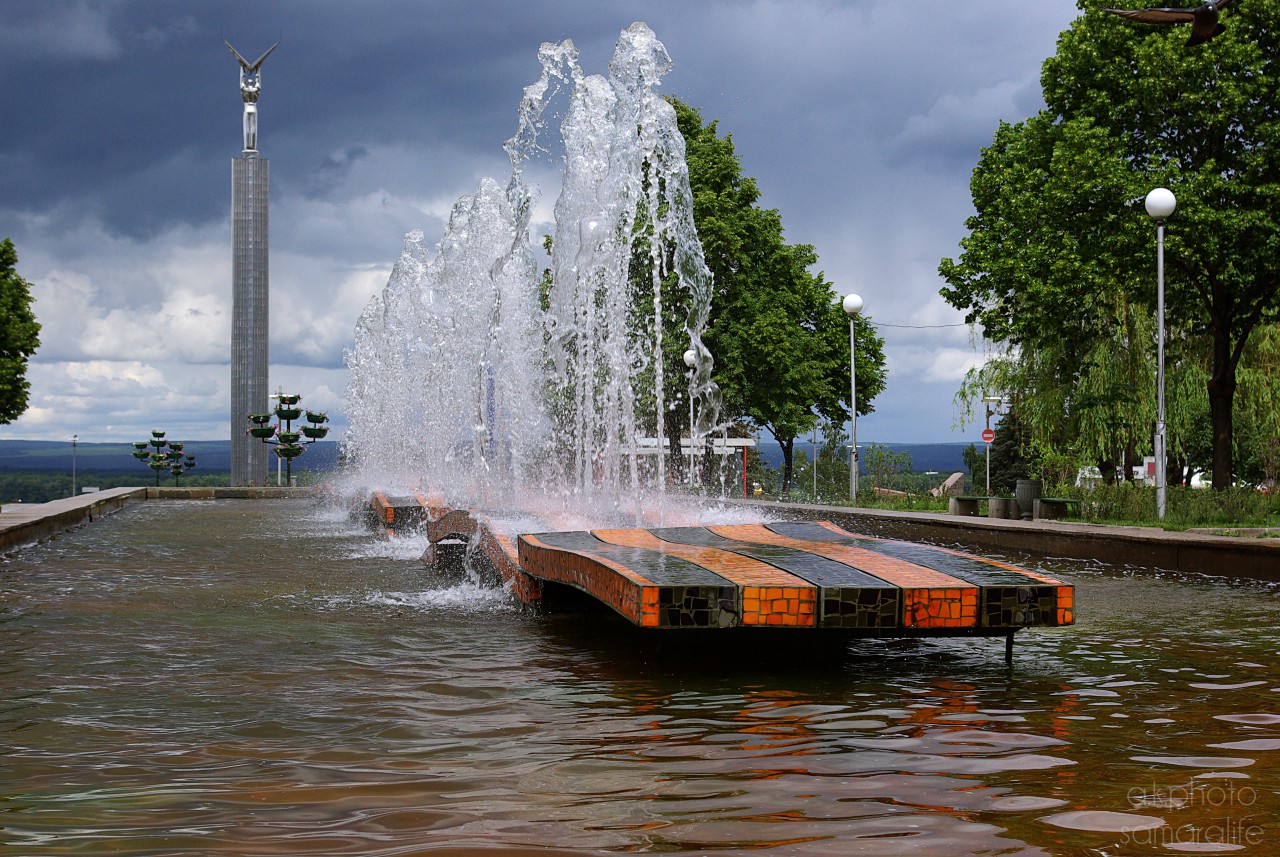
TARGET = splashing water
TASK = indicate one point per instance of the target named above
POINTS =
(478, 376)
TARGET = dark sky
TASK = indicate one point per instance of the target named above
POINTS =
(861, 121)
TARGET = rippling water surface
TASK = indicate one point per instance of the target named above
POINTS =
(264, 678)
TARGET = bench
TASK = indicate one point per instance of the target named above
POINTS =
(1054, 508)
(965, 504)
(1004, 507)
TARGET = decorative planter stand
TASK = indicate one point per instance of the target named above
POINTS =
(285, 441)
(173, 460)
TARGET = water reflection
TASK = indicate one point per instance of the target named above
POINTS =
(264, 678)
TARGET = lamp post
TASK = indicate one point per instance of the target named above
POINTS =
(1160, 205)
(852, 307)
(74, 439)
(691, 361)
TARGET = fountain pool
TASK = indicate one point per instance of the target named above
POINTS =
(237, 677)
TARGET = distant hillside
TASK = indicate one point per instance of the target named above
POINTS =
(212, 456)
(940, 457)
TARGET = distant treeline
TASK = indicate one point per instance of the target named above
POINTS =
(41, 486)
(212, 456)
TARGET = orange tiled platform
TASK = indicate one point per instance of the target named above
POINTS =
(780, 575)
(798, 575)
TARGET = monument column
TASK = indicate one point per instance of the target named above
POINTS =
(249, 286)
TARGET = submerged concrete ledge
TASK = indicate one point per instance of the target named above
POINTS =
(23, 524)
(1147, 547)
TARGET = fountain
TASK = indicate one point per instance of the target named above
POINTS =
(478, 376)
(509, 408)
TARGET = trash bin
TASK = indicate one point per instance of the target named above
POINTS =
(1026, 492)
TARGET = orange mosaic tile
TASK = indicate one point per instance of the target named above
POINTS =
(434, 503)
(1066, 605)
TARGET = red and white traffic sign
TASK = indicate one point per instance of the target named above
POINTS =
(988, 435)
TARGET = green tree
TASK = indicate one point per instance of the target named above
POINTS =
(886, 467)
(1008, 454)
(975, 461)
(1258, 408)
(19, 335)
(1055, 259)
(778, 335)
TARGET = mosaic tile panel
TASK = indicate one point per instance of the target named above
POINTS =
(1002, 586)
(649, 588)
(1066, 605)
(847, 597)
(398, 512)
(770, 596)
(930, 599)
(940, 608)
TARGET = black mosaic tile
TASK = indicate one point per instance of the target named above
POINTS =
(697, 606)
(1016, 606)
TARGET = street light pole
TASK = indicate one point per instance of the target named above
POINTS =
(990, 402)
(1160, 205)
(74, 439)
(852, 307)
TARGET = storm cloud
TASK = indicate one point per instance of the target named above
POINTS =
(861, 121)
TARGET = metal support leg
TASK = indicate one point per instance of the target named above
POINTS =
(1008, 648)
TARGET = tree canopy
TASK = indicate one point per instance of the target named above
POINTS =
(1059, 264)
(19, 335)
(777, 332)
